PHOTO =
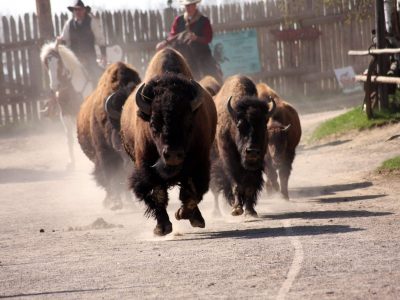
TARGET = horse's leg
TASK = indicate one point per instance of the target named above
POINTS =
(69, 125)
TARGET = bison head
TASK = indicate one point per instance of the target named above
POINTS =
(277, 142)
(169, 103)
(251, 116)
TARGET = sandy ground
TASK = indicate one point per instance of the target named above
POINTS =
(338, 237)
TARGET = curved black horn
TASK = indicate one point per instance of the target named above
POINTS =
(110, 110)
(231, 110)
(272, 111)
(143, 105)
(198, 101)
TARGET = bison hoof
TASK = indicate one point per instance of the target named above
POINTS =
(181, 213)
(163, 229)
(196, 219)
(237, 211)
(193, 215)
(251, 212)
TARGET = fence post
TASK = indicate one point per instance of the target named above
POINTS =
(382, 59)
(43, 9)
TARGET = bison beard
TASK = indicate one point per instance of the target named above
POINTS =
(169, 151)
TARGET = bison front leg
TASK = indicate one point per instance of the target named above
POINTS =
(237, 201)
(245, 197)
(284, 173)
(190, 196)
(148, 188)
(164, 225)
(272, 184)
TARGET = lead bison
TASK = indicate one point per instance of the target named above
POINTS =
(284, 133)
(241, 144)
(98, 130)
(168, 127)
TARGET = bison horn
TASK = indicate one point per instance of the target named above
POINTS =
(272, 111)
(112, 112)
(286, 128)
(198, 101)
(231, 110)
(143, 105)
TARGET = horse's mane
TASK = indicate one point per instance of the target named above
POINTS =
(71, 62)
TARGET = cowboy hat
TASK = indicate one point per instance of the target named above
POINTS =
(76, 4)
(188, 2)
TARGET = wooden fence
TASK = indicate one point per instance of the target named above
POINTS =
(298, 50)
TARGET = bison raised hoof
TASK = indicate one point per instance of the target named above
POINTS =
(193, 215)
(163, 229)
(250, 212)
(196, 220)
(237, 211)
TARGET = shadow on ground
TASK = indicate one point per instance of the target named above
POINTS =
(330, 144)
(47, 293)
(28, 175)
(325, 214)
(315, 191)
(258, 233)
(348, 199)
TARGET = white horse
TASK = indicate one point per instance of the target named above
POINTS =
(70, 85)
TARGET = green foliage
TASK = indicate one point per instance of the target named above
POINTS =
(354, 119)
(390, 165)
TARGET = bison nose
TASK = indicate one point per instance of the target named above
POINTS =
(253, 152)
(173, 157)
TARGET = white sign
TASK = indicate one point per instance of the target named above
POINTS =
(346, 79)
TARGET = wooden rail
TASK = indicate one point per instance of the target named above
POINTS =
(374, 51)
(379, 79)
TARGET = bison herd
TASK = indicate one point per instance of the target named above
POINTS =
(169, 130)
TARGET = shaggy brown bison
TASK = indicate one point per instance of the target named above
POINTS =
(98, 129)
(241, 142)
(284, 133)
(168, 127)
(210, 84)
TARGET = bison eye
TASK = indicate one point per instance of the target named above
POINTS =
(242, 125)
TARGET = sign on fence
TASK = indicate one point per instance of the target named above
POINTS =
(237, 52)
(346, 79)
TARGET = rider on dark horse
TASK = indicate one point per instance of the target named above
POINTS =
(191, 34)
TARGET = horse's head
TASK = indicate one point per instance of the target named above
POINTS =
(53, 63)
(64, 67)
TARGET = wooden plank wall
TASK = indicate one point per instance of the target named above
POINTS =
(292, 67)
(21, 82)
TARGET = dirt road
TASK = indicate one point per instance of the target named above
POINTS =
(338, 237)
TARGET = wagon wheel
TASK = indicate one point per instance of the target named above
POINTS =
(371, 88)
